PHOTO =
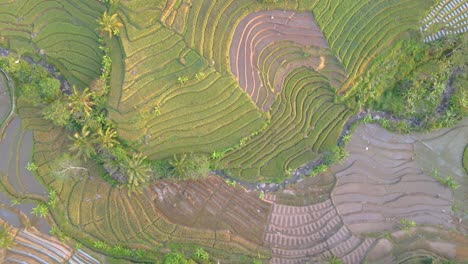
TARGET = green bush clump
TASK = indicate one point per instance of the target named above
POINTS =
(6, 239)
(189, 166)
(409, 80)
(33, 83)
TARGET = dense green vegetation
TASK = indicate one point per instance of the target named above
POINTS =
(153, 97)
(409, 80)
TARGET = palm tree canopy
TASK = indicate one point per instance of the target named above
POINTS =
(107, 138)
(81, 102)
(83, 144)
(136, 170)
(109, 23)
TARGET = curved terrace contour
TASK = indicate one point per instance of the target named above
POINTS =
(263, 32)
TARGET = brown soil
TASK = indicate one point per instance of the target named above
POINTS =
(261, 30)
(211, 204)
(382, 182)
(313, 232)
(418, 244)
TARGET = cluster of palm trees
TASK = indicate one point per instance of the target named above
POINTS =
(100, 141)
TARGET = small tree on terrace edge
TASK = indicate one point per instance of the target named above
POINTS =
(137, 171)
(109, 24)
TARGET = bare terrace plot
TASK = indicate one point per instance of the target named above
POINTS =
(447, 18)
(388, 178)
(418, 245)
(314, 232)
(31, 246)
(211, 204)
(277, 39)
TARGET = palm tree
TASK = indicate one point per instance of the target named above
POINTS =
(110, 24)
(83, 144)
(107, 138)
(178, 166)
(136, 170)
(81, 102)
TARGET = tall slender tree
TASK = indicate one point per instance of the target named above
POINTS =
(107, 138)
(137, 171)
(81, 102)
(83, 145)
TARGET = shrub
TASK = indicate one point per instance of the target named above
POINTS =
(406, 224)
(31, 166)
(160, 168)
(189, 166)
(448, 181)
(6, 240)
(52, 198)
(201, 256)
(40, 210)
(175, 258)
(57, 112)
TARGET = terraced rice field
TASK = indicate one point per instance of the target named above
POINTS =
(259, 65)
(374, 195)
(203, 114)
(259, 85)
(357, 31)
(312, 233)
(62, 32)
(304, 123)
(31, 246)
(449, 17)
(213, 88)
(5, 101)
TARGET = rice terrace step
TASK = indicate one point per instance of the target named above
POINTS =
(233, 131)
